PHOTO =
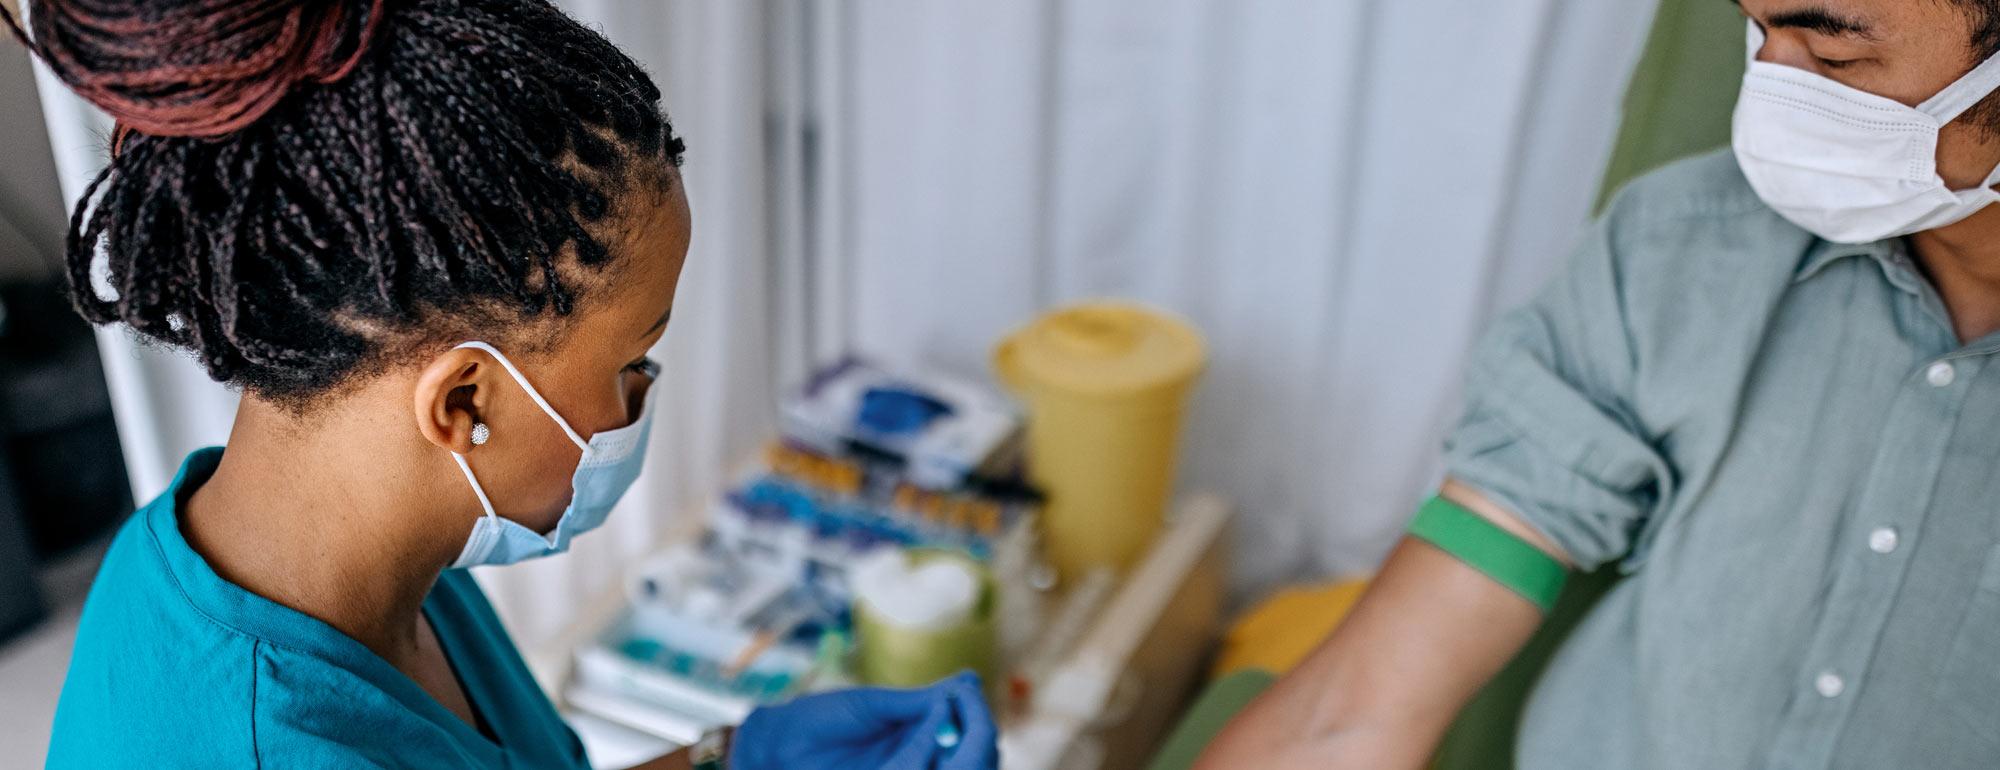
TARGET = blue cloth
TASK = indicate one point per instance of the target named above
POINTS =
(176, 667)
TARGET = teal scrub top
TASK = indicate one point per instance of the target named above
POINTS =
(176, 667)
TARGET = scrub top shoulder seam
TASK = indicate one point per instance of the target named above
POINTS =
(173, 574)
(159, 551)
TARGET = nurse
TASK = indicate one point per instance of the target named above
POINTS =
(431, 241)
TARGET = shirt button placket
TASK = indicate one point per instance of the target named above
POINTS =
(1858, 603)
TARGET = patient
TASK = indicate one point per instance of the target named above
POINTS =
(1765, 389)
(432, 242)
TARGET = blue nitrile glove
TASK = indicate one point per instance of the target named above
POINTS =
(871, 728)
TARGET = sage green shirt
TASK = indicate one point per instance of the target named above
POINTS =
(1786, 446)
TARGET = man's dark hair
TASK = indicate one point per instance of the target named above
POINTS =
(1985, 17)
(303, 190)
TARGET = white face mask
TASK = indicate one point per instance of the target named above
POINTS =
(1845, 164)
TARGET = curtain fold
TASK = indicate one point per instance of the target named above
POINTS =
(1338, 194)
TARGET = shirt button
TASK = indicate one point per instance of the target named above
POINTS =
(1941, 373)
(1882, 539)
(1829, 684)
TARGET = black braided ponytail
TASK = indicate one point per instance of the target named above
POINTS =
(303, 190)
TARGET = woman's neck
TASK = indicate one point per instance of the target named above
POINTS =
(327, 522)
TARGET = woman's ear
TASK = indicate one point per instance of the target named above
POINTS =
(450, 395)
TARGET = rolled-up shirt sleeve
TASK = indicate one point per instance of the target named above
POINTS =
(1548, 431)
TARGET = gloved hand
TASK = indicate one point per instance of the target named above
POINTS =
(872, 728)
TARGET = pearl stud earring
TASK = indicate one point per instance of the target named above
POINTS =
(480, 433)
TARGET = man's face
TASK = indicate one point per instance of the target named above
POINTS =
(1906, 50)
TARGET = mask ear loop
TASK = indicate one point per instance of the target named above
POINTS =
(485, 504)
(477, 490)
(1947, 105)
(532, 393)
(1964, 92)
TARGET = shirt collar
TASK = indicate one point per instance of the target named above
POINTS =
(1891, 255)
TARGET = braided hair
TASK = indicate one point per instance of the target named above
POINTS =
(302, 191)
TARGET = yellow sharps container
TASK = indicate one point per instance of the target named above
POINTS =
(1106, 384)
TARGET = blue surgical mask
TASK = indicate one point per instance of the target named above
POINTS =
(611, 461)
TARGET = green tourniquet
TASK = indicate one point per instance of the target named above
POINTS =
(1521, 567)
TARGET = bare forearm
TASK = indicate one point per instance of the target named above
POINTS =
(1380, 691)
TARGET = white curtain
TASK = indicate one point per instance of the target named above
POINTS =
(1338, 193)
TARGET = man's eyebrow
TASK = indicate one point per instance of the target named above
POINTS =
(1822, 20)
